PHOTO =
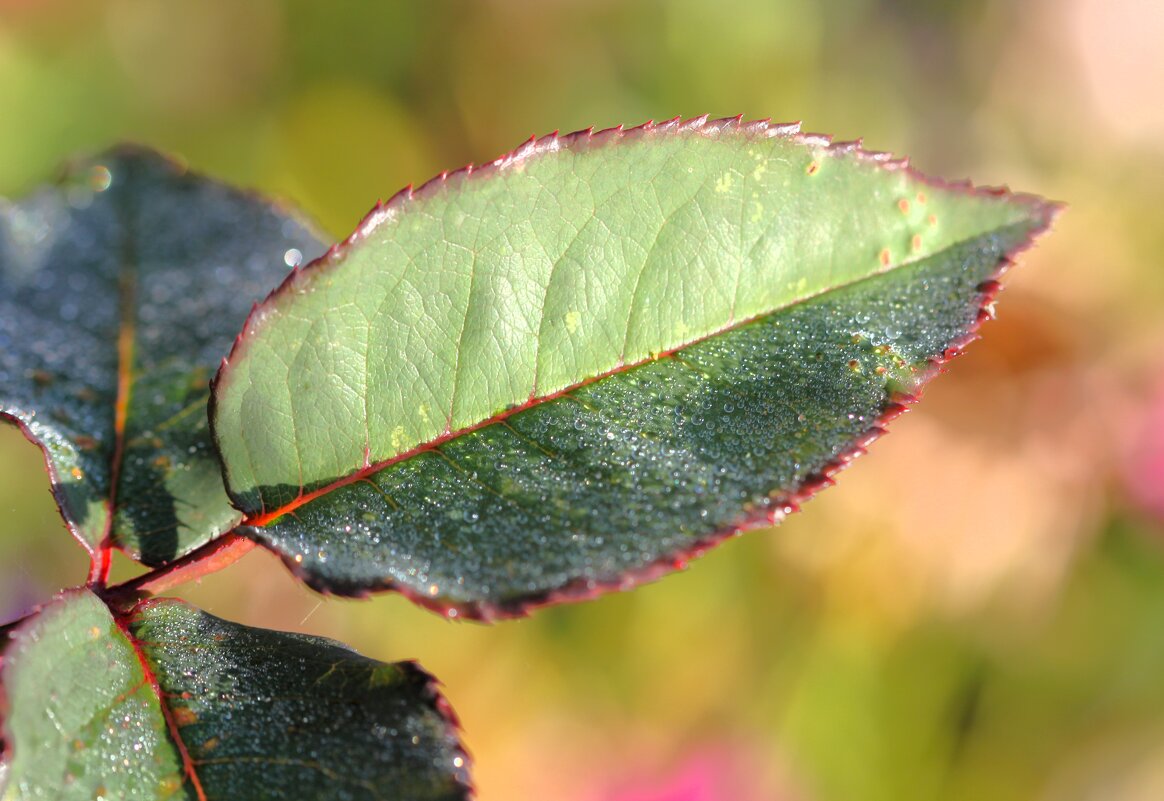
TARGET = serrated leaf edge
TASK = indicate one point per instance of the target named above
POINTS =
(1043, 211)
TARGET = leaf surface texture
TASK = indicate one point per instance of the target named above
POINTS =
(584, 361)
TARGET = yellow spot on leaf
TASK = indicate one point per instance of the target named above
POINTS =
(397, 438)
(168, 786)
(813, 167)
(724, 183)
(573, 320)
(383, 676)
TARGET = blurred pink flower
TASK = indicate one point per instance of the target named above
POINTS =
(1144, 466)
(712, 774)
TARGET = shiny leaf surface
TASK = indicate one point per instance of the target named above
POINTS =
(571, 368)
(120, 289)
(169, 702)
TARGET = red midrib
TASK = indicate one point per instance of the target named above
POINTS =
(264, 517)
(151, 678)
(101, 559)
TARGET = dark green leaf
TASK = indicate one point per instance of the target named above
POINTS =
(169, 702)
(128, 280)
(419, 410)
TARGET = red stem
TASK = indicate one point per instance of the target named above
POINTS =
(100, 561)
(211, 557)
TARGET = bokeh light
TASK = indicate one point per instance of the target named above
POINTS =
(974, 612)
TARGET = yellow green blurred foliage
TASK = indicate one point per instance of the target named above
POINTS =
(975, 612)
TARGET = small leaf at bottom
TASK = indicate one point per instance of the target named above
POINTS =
(170, 702)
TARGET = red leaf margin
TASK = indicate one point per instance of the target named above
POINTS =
(1044, 212)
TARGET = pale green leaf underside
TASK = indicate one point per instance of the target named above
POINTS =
(83, 720)
(568, 259)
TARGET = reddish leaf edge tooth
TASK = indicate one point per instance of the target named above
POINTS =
(1043, 211)
(433, 688)
(781, 506)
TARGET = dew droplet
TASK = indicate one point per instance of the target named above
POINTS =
(100, 178)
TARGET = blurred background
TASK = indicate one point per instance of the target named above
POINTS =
(975, 612)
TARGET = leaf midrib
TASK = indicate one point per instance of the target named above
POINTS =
(126, 351)
(265, 517)
(188, 762)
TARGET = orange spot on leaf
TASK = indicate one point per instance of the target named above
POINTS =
(884, 257)
(184, 716)
(903, 205)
